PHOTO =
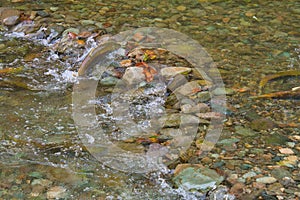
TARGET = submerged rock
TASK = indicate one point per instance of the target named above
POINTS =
(262, 124)
(196, 177)
(134, 75)
(56, 192)
(170, 72)
(9, 16)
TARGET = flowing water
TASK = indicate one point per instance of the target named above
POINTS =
(247, 40)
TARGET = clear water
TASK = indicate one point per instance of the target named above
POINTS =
(246, 39)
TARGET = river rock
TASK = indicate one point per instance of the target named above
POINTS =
(109, 81)
(177, 81)
(196, 177)
(200, 107)
(262, 124)
(177, 119)
(246, 132)
(9, 16)
(169, 72)
(56, 192)
(188, 88)
(134, 75)
(280, 173)
(266, 180)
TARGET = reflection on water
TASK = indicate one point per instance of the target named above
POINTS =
(39, 141)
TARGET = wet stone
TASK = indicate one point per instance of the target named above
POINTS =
(280, 173)
(275, 139)
(262, 124)
(109, 81)
(42, 13)
(246, 132)
(197, 178)
(87, 22)
(266, 180)
(9, 16)
(56, 192)
(187, 88)
(201, 107)
(169, 72)
(203, 96)
(134, 75)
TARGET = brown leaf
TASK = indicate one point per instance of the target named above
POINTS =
(126, 63)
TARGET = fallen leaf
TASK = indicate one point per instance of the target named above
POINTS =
(72, 35)
(81, 42)
(126, 63)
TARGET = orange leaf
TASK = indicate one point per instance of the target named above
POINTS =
(126, 63)
(81, 42)
(72, 35)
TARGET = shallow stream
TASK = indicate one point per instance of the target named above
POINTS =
(40, 147)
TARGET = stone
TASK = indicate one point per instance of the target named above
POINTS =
(54, 9)
(209, 115)
(203, 96)
(266, 180)
(200, 107)
(196, 177)
(169, 72)
(181, 8)
(87, 22)
(42, 182)
(109, 81)
(289, 161)
(42, 13)
(275, 139)
(246, 132)
(286, 151)
(56, 192)
(177, 81)
(249, 175)
(177, 119)
(9, 16)
(10, 21)
(187, 89)
(237, 189)
(219, 91)
(134, 75)
(262, 124)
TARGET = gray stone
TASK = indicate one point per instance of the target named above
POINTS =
(200, 107)
(280, 173)
(9, 16)
(10, 21)
(249, 175)
(262, 124)
(177, 81)
(194, 178)
(109, 81)
(266, 180)
(42, 182)
(54, 9)
(203, 96)
(169, 72)
(134, 75)
(187, 89)
(87, 22)
(56, 192)
(246, 132)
